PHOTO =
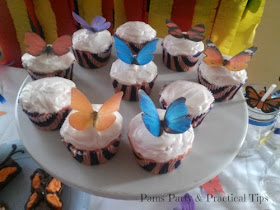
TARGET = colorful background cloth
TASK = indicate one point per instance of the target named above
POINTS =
(231, 24)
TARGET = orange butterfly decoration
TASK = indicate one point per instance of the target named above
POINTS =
(36, 45)
(236, 63)
(254, 100)
(86, 116)
(2, 113)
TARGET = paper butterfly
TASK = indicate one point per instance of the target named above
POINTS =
(194, 34)
(213, 186)
(45, 191)
(254, 100)
(144, 56)
(2, 113)
(9, 168)
(175, 120)
(187, 203)
(236, 63)
(36, 45)
(98, 23)
(86, 116)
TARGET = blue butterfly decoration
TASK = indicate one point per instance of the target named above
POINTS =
(144, 56)
(175, 120)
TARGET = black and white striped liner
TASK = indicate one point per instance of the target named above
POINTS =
(179, 63)
(221, 94)
(49, 121)
(94, 157)
(92, 60)
(131, 91)
(65, 73)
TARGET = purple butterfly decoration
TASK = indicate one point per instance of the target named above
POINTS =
(98, 23)
(187, 203)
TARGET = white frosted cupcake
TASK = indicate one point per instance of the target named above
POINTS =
(222, 82)
(90, 146)
(161, 154)
(181, 50)
(47, 101)
(135, 34)
(158, 141)
(92, 45)
(129, 78)
(199, 99)
(49, 65)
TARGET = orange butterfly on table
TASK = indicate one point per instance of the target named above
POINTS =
(86, 116)
(37, 46)
(236, 63)
(254, 100)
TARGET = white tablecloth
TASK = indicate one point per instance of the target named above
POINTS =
(240, 180)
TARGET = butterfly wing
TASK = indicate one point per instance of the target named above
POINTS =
(173, 29)
(213, 55)
(6, 172)
(175, 117)
(82, 119)
(62, 45)
(123, 51)
(81, 21)
(2, 113)
(196, 33)
(106, 116)
(35, 44)
(239, 61)
(145, 55)
(271, 105)
(150, 116)
(54, 186)
(99, 23)
(252, 96)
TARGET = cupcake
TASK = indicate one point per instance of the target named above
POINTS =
(199, 99)
(160, 142)
(42, 60)
(92, 45)
(130, 73)
(223, 75)
(92, 132)
(47, 101)
(181, 50)
(135, 34)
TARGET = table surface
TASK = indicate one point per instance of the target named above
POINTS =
(218, 138)
(240, 178)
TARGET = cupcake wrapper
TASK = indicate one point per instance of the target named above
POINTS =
(157, 167)
(221, 94)
(94, 157)
(66, 73)
(50, 121)
(131, 91)
(134, 47)
(179, 63)
(92, 60)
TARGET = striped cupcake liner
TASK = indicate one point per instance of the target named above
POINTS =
(221, 94)
(134, 47)
(66, 73)
(90, 60)
(179, 63)
(155, 167)
(131, 91)
(94, 157)
(49, 121)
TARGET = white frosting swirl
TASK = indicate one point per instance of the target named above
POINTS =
(159, 149)
(198, 97)
(131, 74)
(86, 40)
(47, 95)
(221, 76)
(176, 46)
(46, 63)
(136, 31)
(91, 138)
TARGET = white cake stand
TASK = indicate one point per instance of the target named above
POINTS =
(217, 141)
